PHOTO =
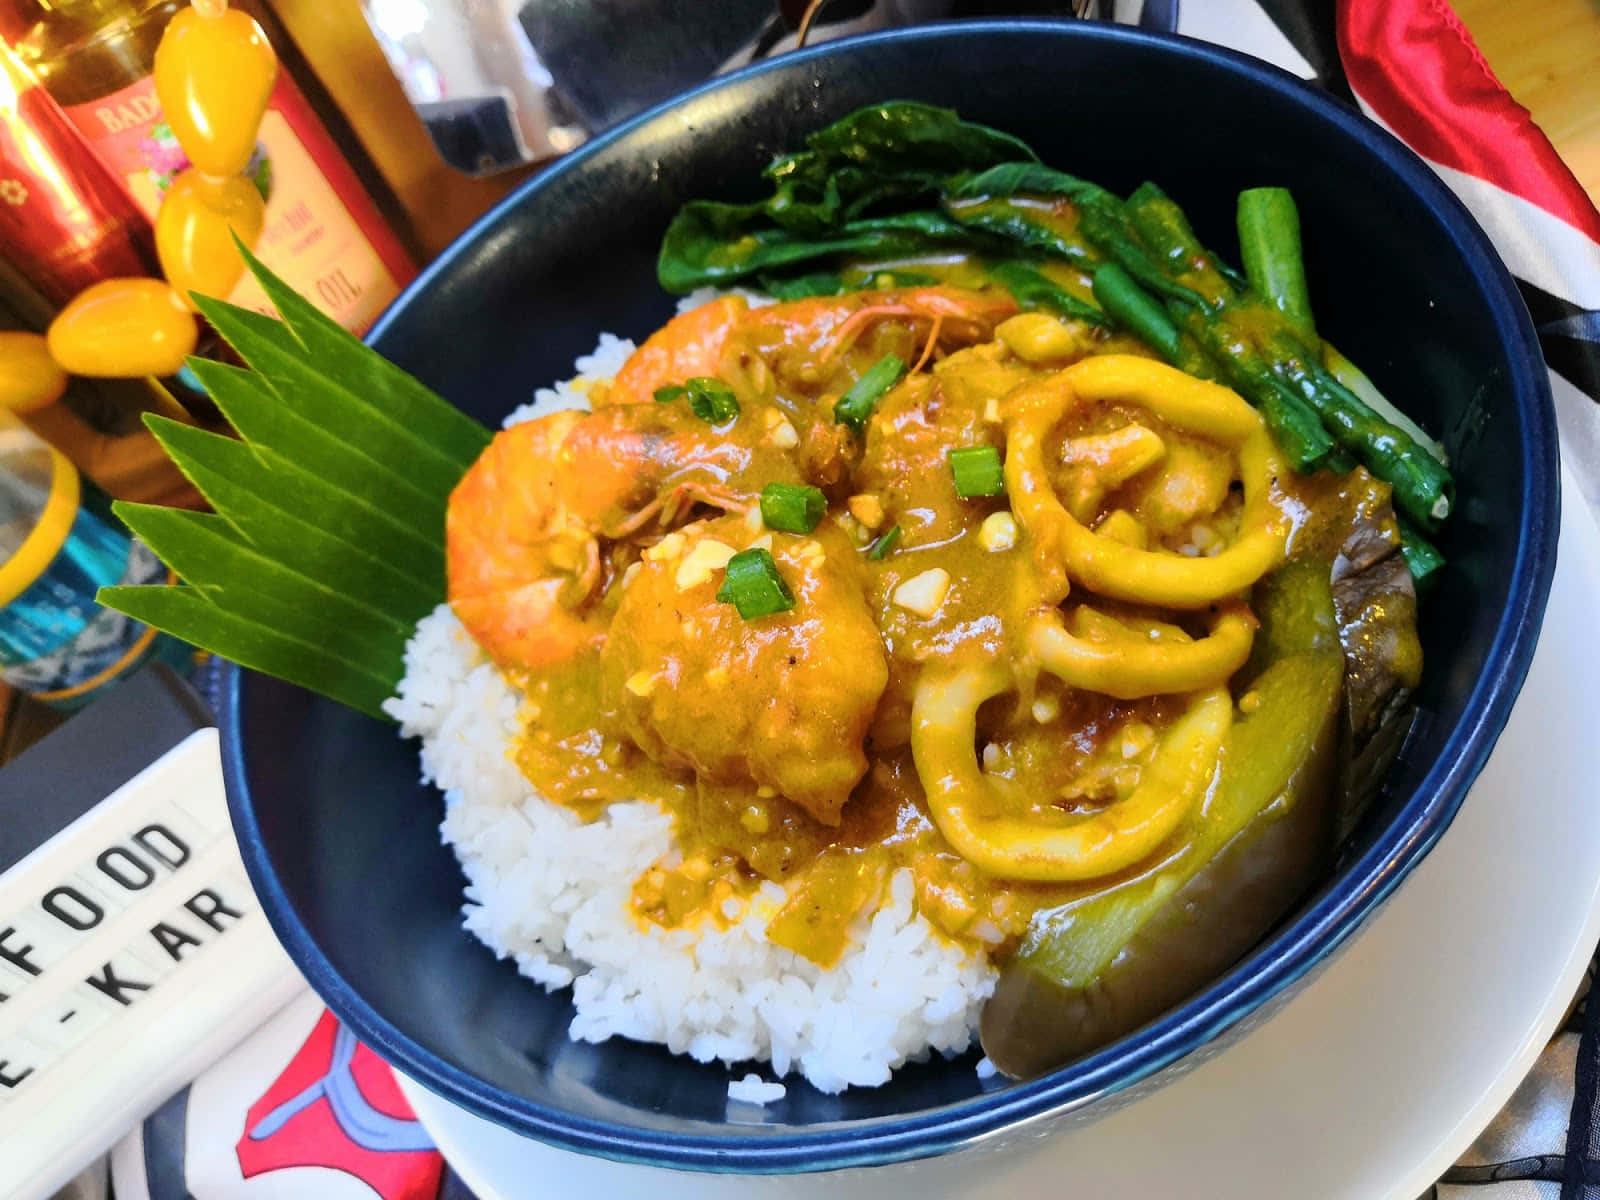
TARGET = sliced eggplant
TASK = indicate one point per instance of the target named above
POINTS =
(1375, 601)
(1105, 963)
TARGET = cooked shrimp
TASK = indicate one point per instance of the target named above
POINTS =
(520, 565)
(805, 341)
(688, 345)
(798, 341)
(783, 702)
(524, 529)
(526, 524)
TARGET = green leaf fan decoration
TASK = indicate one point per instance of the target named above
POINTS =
(327, 541)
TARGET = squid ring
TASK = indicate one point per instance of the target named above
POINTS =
(1112, 568)
(1130, 668)
(943, 727)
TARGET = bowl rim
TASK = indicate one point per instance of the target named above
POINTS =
(1293, 952)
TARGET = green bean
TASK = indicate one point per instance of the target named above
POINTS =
(1134, 310)
(1104, 222)
(1347, 373)
(1294, 426)
(1423, 489)
(1145, 317)
(1269, 244)
(1422, 556)
(1243, 332)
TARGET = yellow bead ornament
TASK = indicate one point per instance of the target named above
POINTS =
(195, 229)
(29, 378)
(214, 72)
(123, 327)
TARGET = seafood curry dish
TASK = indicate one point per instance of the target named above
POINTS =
(914, 578)
(979, 613)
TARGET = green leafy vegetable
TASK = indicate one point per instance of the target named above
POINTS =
(669, 393)
(1033, 290)
(833, 283)
(897, 154)
(327, 543)
(897, 151)
(711, 244)
(1022, 178)
(903, 134)
(753, 585)
(799, 287)
(1009, 223)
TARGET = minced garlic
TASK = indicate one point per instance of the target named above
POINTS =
(708, 555)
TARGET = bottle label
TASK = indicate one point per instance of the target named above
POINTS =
(323, 235)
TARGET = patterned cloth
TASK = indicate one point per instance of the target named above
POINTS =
(312, 1102)
(1545, 1143)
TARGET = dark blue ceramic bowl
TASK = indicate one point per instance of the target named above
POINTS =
(341, 841)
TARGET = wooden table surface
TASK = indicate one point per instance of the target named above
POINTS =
(1547, 54)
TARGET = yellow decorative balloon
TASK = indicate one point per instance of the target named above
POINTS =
(124, 327)
(29, 378)
(214, 73)
(195, 228)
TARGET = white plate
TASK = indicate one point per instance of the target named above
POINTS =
(1370, 1082)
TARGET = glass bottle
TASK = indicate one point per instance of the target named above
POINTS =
(56, 643)
(64, 220)
(325, 233)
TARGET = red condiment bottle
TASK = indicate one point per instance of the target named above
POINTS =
(65, 221)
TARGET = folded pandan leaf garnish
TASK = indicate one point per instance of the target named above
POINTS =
(327, 541)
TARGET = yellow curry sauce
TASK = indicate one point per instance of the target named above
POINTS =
(783, 745)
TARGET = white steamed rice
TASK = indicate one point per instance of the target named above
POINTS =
(552, 893)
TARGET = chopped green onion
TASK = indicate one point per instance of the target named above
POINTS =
(884, 546)
(856, 405)
(675, 391)
(753, 585)
(712, 400)
(977, 470)
(792, 507)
